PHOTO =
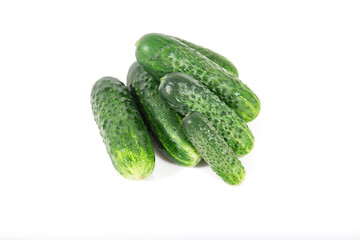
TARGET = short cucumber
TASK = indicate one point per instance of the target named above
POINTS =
(213, 148)
(164, 123)
(124, 133)
(213, 56)
(160, 54)
(184, 94)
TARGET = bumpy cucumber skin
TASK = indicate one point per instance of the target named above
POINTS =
(213, 56)
(213, 148)
(160, 54)
(184, 94)
(164, 123)
(124, 133)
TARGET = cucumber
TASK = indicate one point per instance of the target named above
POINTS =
(213, 56)
(211, 145)
(184, 94)
(124, 133)
(159, 55)
(164, 123)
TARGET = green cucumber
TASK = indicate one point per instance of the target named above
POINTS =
(184, 94)
(160, 54)
(164, 123)
(213, 56)
(211, 145)
(124, 133)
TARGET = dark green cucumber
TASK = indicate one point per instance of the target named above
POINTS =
(164, 123)
(184, 94)
(213, 148)
(213, 56)
(159, 55)
(124, 133)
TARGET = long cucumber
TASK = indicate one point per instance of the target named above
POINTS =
(124, 133)
(164, 123)
(159, 55)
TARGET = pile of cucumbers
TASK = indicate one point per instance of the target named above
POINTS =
(188, 98)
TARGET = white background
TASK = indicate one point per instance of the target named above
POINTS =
(302, 59)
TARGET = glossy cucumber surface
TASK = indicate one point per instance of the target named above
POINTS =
(213, 56)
